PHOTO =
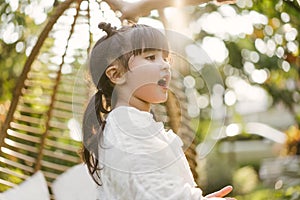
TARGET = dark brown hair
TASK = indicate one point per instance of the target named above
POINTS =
(117, 46)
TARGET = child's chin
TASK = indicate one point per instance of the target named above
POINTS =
(162, 100)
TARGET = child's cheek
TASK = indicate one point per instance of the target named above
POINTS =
(143, 75)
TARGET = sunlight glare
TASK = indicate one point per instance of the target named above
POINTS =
(20, 47)
(14, 4)
(280, 52)
(233, 129)
(230, 98)
(285, 17)
(215, 48)
(177, 19)
(75, 129)
(244, 3)
(260, 45)
(292, 47)
(258, 18)
(104, 6)
(285, 66)
(291, 34)
(197, 55)
(227, 11)
(217, 96)
(189, 82)
(10, 34)
(84, 5)
(254, 56)
(203, 101)
(66, 69)
(259, 76)
(231, 24)
(36, 10)
(268, 30)
(278, 38)
(193, 110)
(271, 47)
(151, 22)
(249, 98)
(249, 67)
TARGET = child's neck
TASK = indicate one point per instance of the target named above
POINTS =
(136, 103)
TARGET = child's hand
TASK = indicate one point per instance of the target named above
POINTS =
(221, 193)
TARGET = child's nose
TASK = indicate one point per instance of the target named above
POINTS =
(165, 66)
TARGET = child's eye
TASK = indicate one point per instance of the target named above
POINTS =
(151, 57)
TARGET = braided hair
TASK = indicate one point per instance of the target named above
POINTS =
(116, 47)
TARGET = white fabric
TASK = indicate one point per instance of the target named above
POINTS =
(75, 183)
(34, 188)
(143, 161)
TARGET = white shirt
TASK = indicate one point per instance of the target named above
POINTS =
(142, 161)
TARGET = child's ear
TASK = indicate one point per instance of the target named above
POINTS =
(115, 75)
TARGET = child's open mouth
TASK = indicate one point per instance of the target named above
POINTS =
(162, 82)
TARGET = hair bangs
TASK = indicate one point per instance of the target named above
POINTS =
(145, 38)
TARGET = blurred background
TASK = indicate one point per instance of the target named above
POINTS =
(254, 46)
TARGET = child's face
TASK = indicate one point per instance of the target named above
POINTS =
(149, 77)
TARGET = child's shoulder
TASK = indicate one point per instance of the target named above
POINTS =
(130, 118)
(129, 114)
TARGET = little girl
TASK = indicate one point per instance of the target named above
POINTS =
(129, 154)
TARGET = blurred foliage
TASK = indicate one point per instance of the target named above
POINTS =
(278, 59)
(290, 193)
(271, 49)
(293, 141)
(21, 24)
(19, 30)
(268, 57)
(245, 180)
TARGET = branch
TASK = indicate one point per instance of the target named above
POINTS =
(132, 11)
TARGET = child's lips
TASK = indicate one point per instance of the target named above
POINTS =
(163, 82)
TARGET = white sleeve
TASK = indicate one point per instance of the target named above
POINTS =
(163, 173)
(162, 184)
(152, 160)
(157, 175)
